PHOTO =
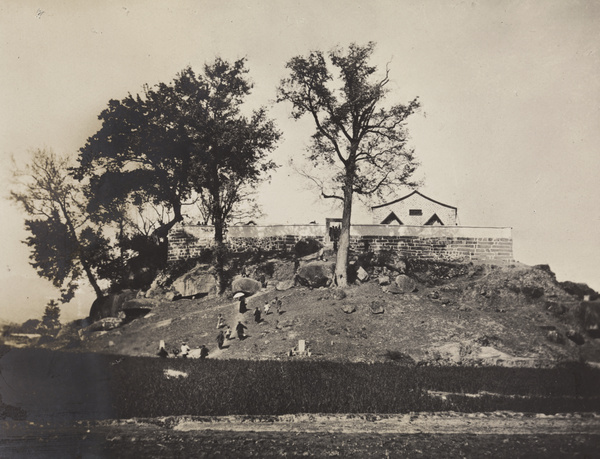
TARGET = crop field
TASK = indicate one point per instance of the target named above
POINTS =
(70, 403)
(147, 387)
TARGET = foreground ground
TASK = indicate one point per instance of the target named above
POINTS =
(440, 341)
(64, 404)
(416, 435)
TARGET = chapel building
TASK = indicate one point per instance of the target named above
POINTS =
(415, 209)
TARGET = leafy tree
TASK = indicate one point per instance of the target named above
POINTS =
(363, 142)
(51, 317)
(140, 154)
(65, 245)
(229, 150)
(179, 142)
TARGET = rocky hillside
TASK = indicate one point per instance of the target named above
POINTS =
(413, 312)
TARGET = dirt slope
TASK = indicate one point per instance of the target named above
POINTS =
(464, 315)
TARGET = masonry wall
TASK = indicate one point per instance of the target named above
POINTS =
(446, 243)
(189, 241)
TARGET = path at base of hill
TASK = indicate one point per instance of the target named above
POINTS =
(498, 434)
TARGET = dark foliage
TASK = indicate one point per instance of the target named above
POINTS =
(51, 317)
(223, 387)
(182, 141)
(579, 290)
(307, 246)
(432, 273)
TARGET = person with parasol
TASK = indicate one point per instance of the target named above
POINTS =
(241, 297)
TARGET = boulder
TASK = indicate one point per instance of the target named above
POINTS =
(383, 280)
(576, 337)
(405, 283)
(140, 303)
(284, 285)
(110, 305)
(283, 270)
(246, 285)
(555, 337)
(362, 275)
(316, 274)
(156, 289)
(487, 354)
(109, 323)
(448, 352)
(556, 308)
(532, 292)
(400, 266)
(137, 307)
(200, 280)
(348, 308)
(377, 307)
(393, 289)
(435, 295)
(339, 294)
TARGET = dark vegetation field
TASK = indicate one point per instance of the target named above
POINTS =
(141, 389)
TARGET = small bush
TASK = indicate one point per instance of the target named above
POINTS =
(307, 246)
(400, 357)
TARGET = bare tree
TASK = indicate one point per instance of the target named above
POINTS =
(367, 141)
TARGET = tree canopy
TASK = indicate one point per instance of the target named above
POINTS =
(356, 136)
(183, 142)
(65, 244)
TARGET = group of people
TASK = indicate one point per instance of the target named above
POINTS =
(225, 332)
(276, 302)
(183, 351)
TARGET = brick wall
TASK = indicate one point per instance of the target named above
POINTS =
(189, 241)
(462, 249)
(447, 243)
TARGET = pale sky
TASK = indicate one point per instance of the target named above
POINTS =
(509, 131)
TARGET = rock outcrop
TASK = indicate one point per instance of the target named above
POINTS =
(110, 305)
(245, 285)
(285, 285)
(199, 281)
(316, 274)
(405, 283)
(377, 307)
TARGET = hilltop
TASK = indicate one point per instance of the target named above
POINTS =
(414, 312)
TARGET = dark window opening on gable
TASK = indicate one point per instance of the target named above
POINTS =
(415, 212)
(391, 218)
(434, 220)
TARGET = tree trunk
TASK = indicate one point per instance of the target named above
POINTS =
(341, 265)
(163, 231)
(84, 263)
(219, 258)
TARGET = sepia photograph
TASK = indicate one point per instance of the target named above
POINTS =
(284, 228)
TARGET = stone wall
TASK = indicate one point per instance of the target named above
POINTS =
(448, 243)
(189, 241)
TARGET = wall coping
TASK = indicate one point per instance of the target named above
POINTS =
(355, 230)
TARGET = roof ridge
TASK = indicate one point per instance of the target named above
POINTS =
(409, 195)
